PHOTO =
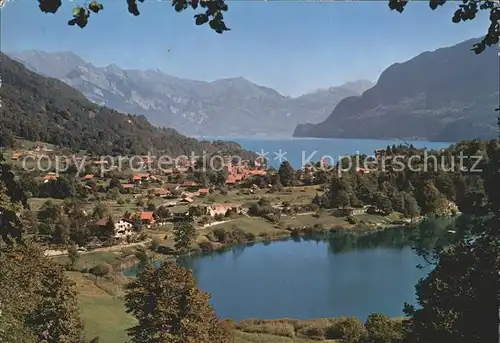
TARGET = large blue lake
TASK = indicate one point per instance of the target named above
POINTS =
(298, 150)
(341, 275)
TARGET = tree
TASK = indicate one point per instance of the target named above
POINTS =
(428, 197)
(184, 233)
(458, 299)
(352, 331)
(114, 183)
(155, 243)
(144, 258)
(101, 270)
(383, 203)
(12, 199)
(339, 192)
(73, 257)
(38, 302)
(382, 329)
(276, 183)
(220, 177)
(99, 211)
(411, 209)
(151, 205)
(108, 230)
(287, 174)
(170, 308)
(163, 212)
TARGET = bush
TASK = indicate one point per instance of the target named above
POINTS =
(101, 270)
(142, 236)
(352, 331)
(254, 210)
(352, 220)
(220, 235)
(250, 237)
(164, 250)
(206, 247)
(219, 217)
(155, 243)
(295, 232)
(382, 329)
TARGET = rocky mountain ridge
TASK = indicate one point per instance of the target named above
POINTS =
(445, 95)
(227, 107)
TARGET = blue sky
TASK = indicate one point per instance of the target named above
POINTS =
(293, 47)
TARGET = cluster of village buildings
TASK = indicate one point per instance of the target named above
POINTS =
(149, 183)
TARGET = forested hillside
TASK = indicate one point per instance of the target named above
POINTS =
(38, 108)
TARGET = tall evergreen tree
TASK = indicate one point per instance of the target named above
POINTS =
(12, 199)
(170, 308)
(287, 174)
(184, 233)
(37, 300)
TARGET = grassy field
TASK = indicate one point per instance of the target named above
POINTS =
(92, 259)
(245, 337)
(103, 312)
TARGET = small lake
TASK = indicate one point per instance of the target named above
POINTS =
(341, 275)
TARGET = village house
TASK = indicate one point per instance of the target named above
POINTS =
(16, 155)
(161, 192)
(88, 177)
(49, 177)
(362, 170)
(231, 180)
(213, 210)
(147, 218)
(350, 211)
(186, 200)
(202, 192)
(188, 184)
(138, 178)
(122, 227)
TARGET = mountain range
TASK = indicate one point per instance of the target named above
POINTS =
(226, 107)
(39, 108)
(445, 95)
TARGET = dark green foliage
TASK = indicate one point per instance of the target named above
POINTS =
(184, 234)
(287, 174)
(144, 258)
(73, 257)
(37, 301)
(170, 308)
(108, 231)
(459, 300)
(382, 329)
(12, 199)
(101, 270)
(340, 192)
(459, 297)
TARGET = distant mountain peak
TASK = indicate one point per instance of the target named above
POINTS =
(435, 95)
(231, 106)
